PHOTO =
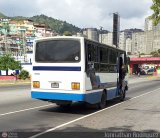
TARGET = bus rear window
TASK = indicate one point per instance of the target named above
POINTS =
(58, 51)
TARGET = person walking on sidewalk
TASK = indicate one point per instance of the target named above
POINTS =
(139, 71)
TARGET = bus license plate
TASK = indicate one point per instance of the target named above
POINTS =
(54, 85)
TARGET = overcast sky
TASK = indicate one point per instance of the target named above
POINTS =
(83, 13)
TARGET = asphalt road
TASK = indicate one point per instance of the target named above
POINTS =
(139, 112)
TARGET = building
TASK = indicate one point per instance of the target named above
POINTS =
(13, 28)
(149, 26)
(145, 42)
(122, 40)
(91, 33)
(16, 37)
(129, 45)
(41, 30)
(106, 38)
(156, 41)
(138, 43)
(136, 61)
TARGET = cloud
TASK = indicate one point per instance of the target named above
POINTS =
(19, 7)
(83, 13)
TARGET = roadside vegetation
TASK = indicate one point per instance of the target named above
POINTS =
(156, 53)
(156, 12)
(7, 62)
(23, 75)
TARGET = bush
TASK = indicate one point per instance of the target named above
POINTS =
(24, 74)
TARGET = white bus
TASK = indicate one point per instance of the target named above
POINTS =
(76, 69)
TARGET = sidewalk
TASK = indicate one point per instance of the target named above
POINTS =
(142, 78)
(14, 82)
(131, 79)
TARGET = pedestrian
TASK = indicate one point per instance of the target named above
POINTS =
(139, 71)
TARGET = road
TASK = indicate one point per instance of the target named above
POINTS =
(139, 112)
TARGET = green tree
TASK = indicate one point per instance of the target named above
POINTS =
(142, 53)
(156, 12)
(156, 53)
(67, 33)
(8, 63)
(24, 74)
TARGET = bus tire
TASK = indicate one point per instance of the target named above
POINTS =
(102, 103)
(122, 95)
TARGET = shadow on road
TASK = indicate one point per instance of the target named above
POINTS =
(85, 132)
(80, 108)
(79, 131)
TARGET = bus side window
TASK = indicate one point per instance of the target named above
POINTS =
(89, 52)
(92, 56)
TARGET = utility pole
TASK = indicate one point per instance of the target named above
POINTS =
(101, 28)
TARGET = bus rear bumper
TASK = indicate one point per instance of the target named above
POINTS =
(57, 96)
(48, 96)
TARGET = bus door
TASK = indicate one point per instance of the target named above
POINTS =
(121, 69)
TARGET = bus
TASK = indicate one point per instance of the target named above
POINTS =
(69, 69)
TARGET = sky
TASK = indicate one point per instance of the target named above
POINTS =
(83, 13)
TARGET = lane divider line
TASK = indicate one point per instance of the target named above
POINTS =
(25, 110)
(75, 120)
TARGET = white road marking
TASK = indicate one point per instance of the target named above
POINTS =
(25, 110)
(70, 122)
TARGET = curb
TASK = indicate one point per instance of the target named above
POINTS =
(14, 84)
(148, 78)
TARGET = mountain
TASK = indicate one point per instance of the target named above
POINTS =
(2, 15)
(56, 25)
(18, 18)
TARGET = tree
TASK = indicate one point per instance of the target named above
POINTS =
(8, 63)
(67, 33)
(24, 74)
(156, 53)
(156, 12)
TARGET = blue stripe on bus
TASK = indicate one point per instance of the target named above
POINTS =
(91, 98)
(57, 96)
(56, 68)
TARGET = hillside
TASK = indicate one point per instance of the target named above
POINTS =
(56, 25)
(2, 15)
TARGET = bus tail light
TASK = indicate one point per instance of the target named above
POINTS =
(36, 84)
(75, 86)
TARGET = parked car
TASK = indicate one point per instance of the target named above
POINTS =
(143, 72)
(147, 71)
(150, 71)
